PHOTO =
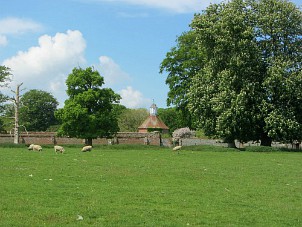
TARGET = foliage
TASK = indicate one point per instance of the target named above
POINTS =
(130, 119)
(105, 187)
(181, 64)
(88, 112)
(37, 110)
(200, 134)
(2, 130)
(182, 133)
(173, 118)
(154, 130)
(5, 78)
(8, 110)
(247, 85)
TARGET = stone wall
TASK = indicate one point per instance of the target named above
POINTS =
(196, 141)
(152, 138)
(51, 138)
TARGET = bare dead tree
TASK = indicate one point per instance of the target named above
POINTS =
(16, 101)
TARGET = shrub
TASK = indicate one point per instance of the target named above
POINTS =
(182, 133)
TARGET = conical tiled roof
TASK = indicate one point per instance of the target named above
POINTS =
(153, 122)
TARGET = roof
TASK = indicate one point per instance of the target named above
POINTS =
(153, 122)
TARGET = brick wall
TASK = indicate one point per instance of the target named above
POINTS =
(51, 138)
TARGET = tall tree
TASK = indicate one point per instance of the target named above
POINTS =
(173, 118)
(279, 36)
(88, 114)
(37, 110)
(5, 75)
(248, 86)
(130, 119)
(181, 64)
(225, 92)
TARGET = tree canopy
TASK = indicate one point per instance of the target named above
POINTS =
(37, 110)
(246, 81)
(4, 79)
(173, 118)
(130, 119)
(5, 75)
(182, 63)
(87, 113)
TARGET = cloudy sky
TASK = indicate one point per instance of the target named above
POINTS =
(125, 40)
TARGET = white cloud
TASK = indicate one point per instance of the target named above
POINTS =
(3, 40)
(179, 6)
(111, 71)
(132, 15)
(14, 25)
(133, 99)
(47, 65)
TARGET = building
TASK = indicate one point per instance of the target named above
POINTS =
(153, 122)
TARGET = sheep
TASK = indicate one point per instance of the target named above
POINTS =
(59, 149)
(35, 147)
(177, 148)
(86, 148)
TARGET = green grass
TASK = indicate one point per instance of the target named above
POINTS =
(133, 186)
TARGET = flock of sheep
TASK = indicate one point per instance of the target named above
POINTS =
(58, 149)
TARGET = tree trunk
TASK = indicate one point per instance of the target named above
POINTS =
(88, 141)
(265, 140)
(231, 144)
(16, 104)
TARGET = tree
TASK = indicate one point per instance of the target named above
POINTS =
(87, 113)
(5, 75)
(225, 92)
(173, 118)
(279, 34)
(4, 79)
(130, 119)
(37, 110)
(182, 63)
(249, 71)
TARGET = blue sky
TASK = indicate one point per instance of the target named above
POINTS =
(125, 40)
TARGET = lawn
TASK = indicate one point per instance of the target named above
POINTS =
(133, 186)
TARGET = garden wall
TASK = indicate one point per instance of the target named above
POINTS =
(152, 138)
(51, 138)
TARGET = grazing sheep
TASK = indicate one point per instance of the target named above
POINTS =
(87, 148)
(35, 147)
(177, 148)
(59, 149)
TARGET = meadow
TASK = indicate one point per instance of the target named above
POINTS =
(150, 186)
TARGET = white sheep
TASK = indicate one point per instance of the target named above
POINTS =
(35, 147)
(177, 148)
(59, 149)
(87, 148)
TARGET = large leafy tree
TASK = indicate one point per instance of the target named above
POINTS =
(88, 114)
(181, 64)
(225, 92)
(5, 75)
(279, 36)
(248, 85)
(37, 110)
(173, 118)
(130, 119)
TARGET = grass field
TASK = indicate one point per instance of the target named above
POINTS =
(133, 186)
